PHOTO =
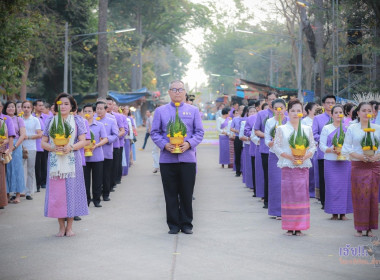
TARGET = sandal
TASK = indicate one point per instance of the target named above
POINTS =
(289, 233)
(359, 234)
(369, 233)
(299, 233)
(16, 201)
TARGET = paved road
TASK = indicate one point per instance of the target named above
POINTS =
(233, 236)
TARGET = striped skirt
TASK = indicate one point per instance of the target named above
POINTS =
(365, 180)
(295, 201)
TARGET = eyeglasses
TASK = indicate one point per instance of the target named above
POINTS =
(180, 90)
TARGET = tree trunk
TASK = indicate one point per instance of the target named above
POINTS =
(139, 54)
(24, 79)
(102, 50)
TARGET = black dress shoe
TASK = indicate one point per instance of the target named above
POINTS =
(265, 206)
(106, 199)
(112, 190)
(118, 183)
(97, 204)
(28, 197)
(237, 175)
(187, 231)
(77, 218)
(43, 187)
(173, 231)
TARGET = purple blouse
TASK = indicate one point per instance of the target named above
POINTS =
(261, 119)
(17, 124)
(99, 131)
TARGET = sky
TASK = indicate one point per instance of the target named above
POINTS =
(195, 74)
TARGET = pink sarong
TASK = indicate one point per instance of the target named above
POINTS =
(295, 203)
(57, 207)
(365, 180)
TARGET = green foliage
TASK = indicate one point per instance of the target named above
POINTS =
(299, 138)
(60, 127)
(339, 140)
(2, 129)
(92, 137)
(176, 126)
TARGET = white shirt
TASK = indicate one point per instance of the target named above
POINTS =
(307, 121)
(270, 123)
(219, 122)
(326, 131)
(32, 124)
(241, 133)
(281, 145)
(229, 132)
(130, 130)
(354, 136)
(254, 138)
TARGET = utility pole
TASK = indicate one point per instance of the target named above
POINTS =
(271, 68)
(65, 69)
(299, 74)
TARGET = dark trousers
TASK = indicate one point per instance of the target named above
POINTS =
(107, 170)
(146, 139)
(94, 171)
(115, 167)
(238, 147)
(321, 172)
(120, 165)
(253, 173)
(264, 161)
(178, 180)
(41, 169)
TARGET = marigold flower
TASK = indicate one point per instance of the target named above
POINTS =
(369, 129)
(300, 147)
(97, 118)
(59, 102)
(300, 115)
(340, 145)
(341, 116)
(369, 116)
(366, 148)
(3, 137)
(86, 116)
(93, 141)
(279, 109)
(5, 118)
(177, 104)
(374, 148)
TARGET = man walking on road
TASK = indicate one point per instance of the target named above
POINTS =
(148, 125)
(178, 169)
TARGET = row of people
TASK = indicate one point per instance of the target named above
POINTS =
(263, 165)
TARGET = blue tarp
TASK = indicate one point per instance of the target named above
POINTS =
(125, 98)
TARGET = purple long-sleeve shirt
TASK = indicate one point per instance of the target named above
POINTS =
(9, 124)
(318, 123)
(235, 124)
(112, 134)
(190, 116)
(261, 119)
(120, 124)
(97, 128)
(249, 125)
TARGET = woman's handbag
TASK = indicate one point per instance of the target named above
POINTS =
(24, 154)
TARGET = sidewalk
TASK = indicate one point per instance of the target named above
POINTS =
(127, 238)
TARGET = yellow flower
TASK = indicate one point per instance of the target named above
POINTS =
(369, 116)
(3, 137)
(374, 148)
(369, 129)
(20, 115)
(69, 136)
(279, 109)
(5, 118)
(366, 148)
(341, 116)
(340, 145)
(300, 147)
(177, 104)
(59, 102)
(97, 118)
(93, 141)
(120, 111)
(300, 115)
(167, 135)
(87, 116)
(58, 136)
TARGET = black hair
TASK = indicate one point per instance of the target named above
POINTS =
(109, 98)
(354, 114)
(187, 97)
(251, 107)
(347, 108)
(89, 105)
(257, 103)
(271, 93)
(328, 96)
(79, 109)
(6, 106)
(337, 106)
(263, 105)
(279, 100)
(374, 102)
(245, 109)
(360, 106)
(293, 103)
(225, 111)
(309, 106)
(235, 102)
(36, 101)
(68, 96)
(102, 102)
(251, 102)
(18, 102)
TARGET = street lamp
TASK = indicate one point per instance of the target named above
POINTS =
(68, 45)
(299, 73)
(166, 74)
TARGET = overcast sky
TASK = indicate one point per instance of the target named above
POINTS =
(195, 74)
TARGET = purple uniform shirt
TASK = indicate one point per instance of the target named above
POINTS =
(235, 124)
(88, 137)
(9, 124)
(112, 134)
(249, 125)
(17, 124)
(126, 128)
(318, 123)
(120, 123)
(99, 131)
(190, 116)
(261, 119)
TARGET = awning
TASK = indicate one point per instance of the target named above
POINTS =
(128, 97)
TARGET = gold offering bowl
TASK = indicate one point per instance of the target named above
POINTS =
(61, 142)
(339, 153)
(88, 150)
(176, 141)
(369, 152)
(298, 155)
